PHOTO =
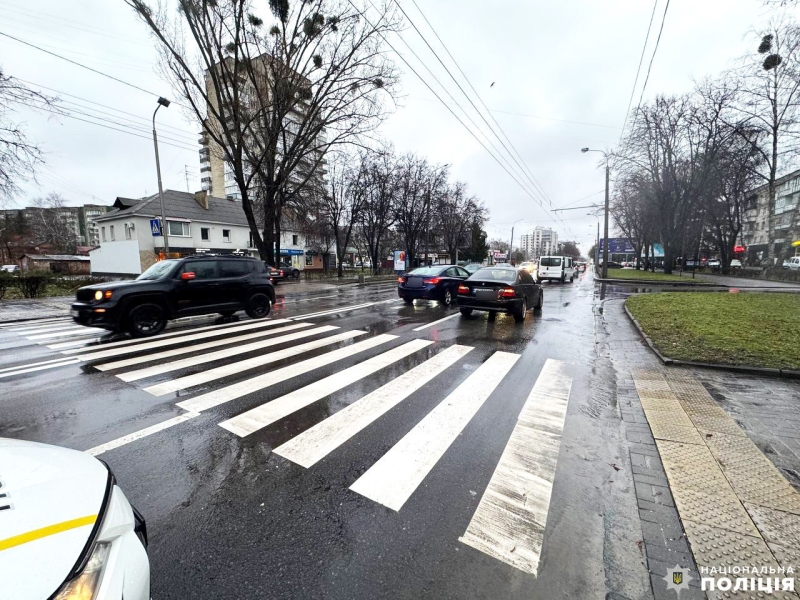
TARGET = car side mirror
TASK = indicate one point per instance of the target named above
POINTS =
(187, 276)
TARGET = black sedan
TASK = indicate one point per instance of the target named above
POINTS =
(500, 289)
(438, 282)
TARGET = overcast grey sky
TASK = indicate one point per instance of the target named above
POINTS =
(563, 74)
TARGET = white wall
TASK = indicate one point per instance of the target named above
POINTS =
(117, 257)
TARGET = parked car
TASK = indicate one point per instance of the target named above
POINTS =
(714, 264)
(794, 263)
(67, 530)
(276, 274)
(439, 282)
(555, 268)
(500, 289)
(736, 264)
(472, 267)
(173, 288)
(289, 270)
(9, 269)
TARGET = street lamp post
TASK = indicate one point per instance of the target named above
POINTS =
(605, 218)
(511, 245)
(165, 103)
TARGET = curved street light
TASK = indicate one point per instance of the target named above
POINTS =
(604, 272)
(165, 103)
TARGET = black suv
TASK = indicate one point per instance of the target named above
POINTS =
(176, 288)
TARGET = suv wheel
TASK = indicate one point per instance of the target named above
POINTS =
(258, 306)
(146, 319)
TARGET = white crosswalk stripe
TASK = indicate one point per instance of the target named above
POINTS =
(510, 520)
(323, 438)
(275, 410)
(33, 323)
(223, 354)
(41, 367)
(71, 332)
(127, 362)
(82, 342)
(44, 328)
(186, 336)
(248, 386)
(396, 475)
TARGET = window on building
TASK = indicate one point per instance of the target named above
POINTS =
(103, 233)
(205, 234)
(295, 240)
(178, 228)
(226, 235)
(128, 230)
(111, 232)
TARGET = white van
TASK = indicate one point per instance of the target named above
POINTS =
(555, 268)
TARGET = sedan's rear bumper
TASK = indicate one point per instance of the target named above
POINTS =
(423, 293)
(511, 305)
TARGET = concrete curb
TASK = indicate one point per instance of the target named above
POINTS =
(660, 282)
(781, 373)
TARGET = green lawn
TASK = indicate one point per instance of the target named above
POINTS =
(636, 274)
(750, 329)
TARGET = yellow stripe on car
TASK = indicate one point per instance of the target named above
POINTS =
(37, 534)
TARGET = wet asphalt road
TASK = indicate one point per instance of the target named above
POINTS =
(228, 518)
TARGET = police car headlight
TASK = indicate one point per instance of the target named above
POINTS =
(87, 583)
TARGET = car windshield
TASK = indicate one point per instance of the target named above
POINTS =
(491, 274)
(550, 261)
(158, 270)
(426, 271)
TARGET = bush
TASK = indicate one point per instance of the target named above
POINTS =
(6, 281)
(33, 284)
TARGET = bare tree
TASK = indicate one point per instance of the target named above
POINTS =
(378, 215)
(275, 98)
(770, 84)
(19, 156)
(53, 223)
(456, 214)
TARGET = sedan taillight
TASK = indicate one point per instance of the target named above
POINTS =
(462, 289)
(401, 280)
(508, 293)
(432, 280)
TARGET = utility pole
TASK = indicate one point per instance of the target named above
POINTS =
(164, 233)
(427, 222)
(186, 174)
(605, 229)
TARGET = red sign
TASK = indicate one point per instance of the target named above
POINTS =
(739, 248)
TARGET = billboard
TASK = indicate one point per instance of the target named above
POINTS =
(618, 245)
(399, 260)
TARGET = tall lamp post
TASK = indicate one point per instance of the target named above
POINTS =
(605, 218)
(165, 103)
(511, 245)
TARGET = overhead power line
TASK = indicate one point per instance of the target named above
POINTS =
(522, 166)
(652, 58)
(638, 69)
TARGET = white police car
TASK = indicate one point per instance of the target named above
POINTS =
(67, 532)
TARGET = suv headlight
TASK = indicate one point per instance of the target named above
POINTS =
(87, 583)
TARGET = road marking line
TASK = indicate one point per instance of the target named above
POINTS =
(189, 336)
(43, 328)
(83, 342)
(398, 473)
(188, 381)
(142, 433)
(237, 390)
(126, 362)
(76, 332)
(36, 323)
(275, 410)
(323, 438)
(64, 362)
(36, 364)
(223, 354)
(436, 322)
(172, 334)
(334, 311)
(510, 520)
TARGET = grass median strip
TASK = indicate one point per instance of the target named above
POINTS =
(648, 275)
(752, 329)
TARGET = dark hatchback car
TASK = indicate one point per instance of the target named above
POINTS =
(176, 288)
(438, 282)
(500, 289)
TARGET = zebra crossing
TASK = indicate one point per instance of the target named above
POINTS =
(240, 359)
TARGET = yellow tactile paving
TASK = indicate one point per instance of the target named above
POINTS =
(736, 506)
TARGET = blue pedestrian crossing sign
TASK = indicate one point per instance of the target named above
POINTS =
(155, 227)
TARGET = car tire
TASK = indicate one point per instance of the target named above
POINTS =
(258, 306)
(465, 312)
(408, 300)
(519, 315)
(146, 319)
(571, 278)
(563, 278)
(540, 302)
(447, 298)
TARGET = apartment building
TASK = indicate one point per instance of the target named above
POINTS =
(779, 225)
(539, 242)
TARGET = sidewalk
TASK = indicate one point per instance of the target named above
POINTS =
(715, 459)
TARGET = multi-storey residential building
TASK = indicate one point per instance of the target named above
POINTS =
(778, 226)
(217, 177)
(540, 242)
